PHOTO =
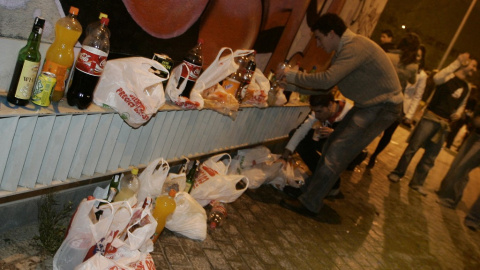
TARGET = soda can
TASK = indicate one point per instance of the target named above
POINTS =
(43, 88)
(165, 61)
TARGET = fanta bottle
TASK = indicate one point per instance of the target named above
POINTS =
(164, 206)
(60, 55)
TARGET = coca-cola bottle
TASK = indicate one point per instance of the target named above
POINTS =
(191, 68)
(90, 63)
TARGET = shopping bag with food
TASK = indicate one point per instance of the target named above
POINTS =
(213, 183)
(83, 233)
(130, 87)
(152, 179)
(256, 93)
(189, 218)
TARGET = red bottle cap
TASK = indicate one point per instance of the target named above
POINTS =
(200, 40)
(73, 10)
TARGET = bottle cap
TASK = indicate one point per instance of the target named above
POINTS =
(104, 21)
(172, 193)
(134, 171)
(73, 10)
(102, 15)
(39, 22)
(200, 40)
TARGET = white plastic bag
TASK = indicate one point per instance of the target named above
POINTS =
(253, 156)
(128, 87)
(213, 183)
(152, 179)
(218, 70)
(83, 233)
(189, 218)
(257, 92)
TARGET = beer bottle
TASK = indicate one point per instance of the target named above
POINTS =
(191, 177)
(28, 62)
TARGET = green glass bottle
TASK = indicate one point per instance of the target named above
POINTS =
(191, 177)
(26, 69)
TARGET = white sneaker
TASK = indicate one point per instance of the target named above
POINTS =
(393, 177)
(419, 189)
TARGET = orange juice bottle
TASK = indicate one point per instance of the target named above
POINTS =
(164, 206)
(60, 54)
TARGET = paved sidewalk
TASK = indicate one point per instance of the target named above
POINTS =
(378, 225)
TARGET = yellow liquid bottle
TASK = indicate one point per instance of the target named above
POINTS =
(60, 55)
(164, 206)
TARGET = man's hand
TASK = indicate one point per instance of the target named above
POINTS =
(325, 131)
(464, 58)
(280, 72)
(455, 116)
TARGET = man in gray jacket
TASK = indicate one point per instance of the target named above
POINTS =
(364, 74)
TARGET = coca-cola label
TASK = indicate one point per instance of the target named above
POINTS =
(194, 71)
(91, 61)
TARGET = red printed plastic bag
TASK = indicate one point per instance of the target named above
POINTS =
(213, 183)
(128, 86)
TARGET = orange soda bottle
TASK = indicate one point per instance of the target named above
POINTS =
(60, 55)
(164, 206)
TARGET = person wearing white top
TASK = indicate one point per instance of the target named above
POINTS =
(414, 92)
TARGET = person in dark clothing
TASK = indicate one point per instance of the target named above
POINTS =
(446, 105)
(386, 40)
(456, 179)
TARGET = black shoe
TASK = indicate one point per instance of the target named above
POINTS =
(371, 162)
(296, 206)
(292, 191)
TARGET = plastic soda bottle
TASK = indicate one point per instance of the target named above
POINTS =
(164, 206)
(90, 63)
(217, 215)
(128, 186)
(191, 68)
(60, 54)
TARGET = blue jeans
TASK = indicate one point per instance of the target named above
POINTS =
(358, 129)
(421, 137)
(467, 159)
(474, 213)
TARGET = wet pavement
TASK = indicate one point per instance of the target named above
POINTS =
(377, 225)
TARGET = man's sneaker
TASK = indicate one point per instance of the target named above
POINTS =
(445, 202)
(472, 225)
(393, 177)
(419, 189)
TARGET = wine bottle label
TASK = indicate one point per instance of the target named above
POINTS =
(60, 71)
(27, 79)
(194, 71)
(91, 61)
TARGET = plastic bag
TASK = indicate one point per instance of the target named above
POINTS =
(189, 218)
(144, 261)
(218, 70)
(152, 179)
(213, 183)
(217, 99)
(128, 87)
(257, 92)
(83, 233)
(253, 156)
